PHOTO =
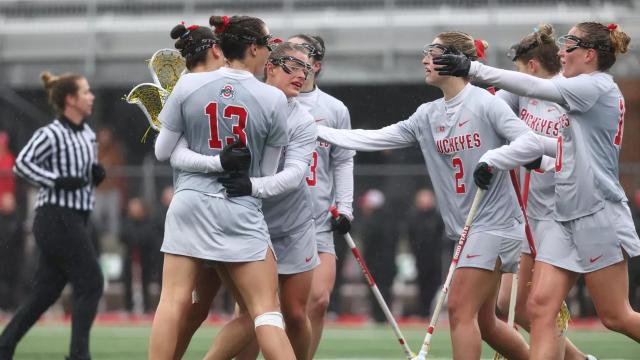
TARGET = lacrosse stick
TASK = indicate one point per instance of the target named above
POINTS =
(166, 67)
(374, 289)
(150, 98)
(426, 345)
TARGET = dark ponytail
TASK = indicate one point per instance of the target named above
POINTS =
(237, 33)
(193, 43)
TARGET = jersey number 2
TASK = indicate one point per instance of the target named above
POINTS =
(312, 179)
(230, 111)
(459, 175)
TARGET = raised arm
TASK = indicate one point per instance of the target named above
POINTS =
(389, 137)
(516, 82)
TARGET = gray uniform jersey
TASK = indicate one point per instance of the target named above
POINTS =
(213, 109)
(286, 213)
(544, 118)
(453, 136)
(327, 111)
(588, 145)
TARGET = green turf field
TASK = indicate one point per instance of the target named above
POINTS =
(130, 342)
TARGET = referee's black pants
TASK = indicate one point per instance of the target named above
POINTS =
(66, 255)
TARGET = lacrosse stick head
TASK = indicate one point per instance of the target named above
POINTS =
(166, 67)
(150, 98)
(563, 317)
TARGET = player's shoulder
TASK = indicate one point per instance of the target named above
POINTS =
(330, 101)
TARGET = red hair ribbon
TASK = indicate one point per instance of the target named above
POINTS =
(612, 27)
(193, 27)
(276, 40)
(480, 49)
(225, 24)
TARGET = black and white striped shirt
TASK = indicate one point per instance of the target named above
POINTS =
(60, 149)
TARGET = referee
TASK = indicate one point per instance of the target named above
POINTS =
(61, 158)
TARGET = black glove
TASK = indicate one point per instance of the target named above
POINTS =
(70, 183)
(482, 175)
(235, 157)
(342, 224)
(453, 65)
(237, 184)
(97, 174)
(535, 164)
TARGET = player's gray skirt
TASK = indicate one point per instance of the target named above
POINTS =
(297, 252)
(483, 248)
(539, 230)
(591, 242)
(324, 240)
(214, 228)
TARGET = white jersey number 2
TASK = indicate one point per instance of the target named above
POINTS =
(230, 111)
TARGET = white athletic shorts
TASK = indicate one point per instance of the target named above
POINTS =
(592, 242)
(297, 252)
(483, 248)
(324, 239)
(214, 228)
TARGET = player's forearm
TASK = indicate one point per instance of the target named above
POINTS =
(364, 140)
(165, 143)
(343, 180)
(270, 160)
(524, 149)
(183, 158)
(516, 82)
(286, 180)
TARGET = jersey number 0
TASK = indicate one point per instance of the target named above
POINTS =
(230, 111)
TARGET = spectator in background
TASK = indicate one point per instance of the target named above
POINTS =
(142, 252)
(634, 263)
(424, 230)
(379, 237)
(109, 196)
(7, 161)
(11, 253)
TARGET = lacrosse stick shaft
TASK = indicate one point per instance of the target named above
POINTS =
(375, 290)
(525, 191)
(527, 229)
(424, 351)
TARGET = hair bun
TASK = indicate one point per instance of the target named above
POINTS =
(48, 79)
(178, 31)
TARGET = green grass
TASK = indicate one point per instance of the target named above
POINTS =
(366, 342)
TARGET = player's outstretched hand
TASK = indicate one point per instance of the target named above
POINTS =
(70, 183)
(342, 224)
(453, 65)
(482, 175)
(535, 164)
(98, 173)
(235, 157)
(237, 184)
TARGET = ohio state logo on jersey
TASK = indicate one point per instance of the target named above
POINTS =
(227, 92)
(458, 143)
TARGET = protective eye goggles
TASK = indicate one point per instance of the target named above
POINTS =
(291, 64)
(517, 50)
(571, 42)
(311, 50)
(436, 50)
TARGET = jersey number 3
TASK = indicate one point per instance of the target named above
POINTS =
(459, 175)
(312, 179)
(230, 111)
